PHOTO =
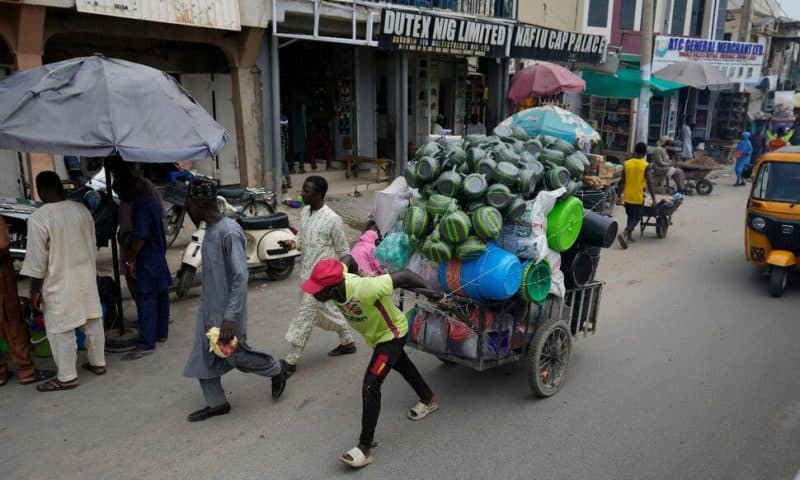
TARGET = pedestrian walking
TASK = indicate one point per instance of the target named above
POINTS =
(321, 235)
(147, 265)
(368, 305)
(60, 261)
(223, 304)
(743, 153)
(635, 177)
(12, 322)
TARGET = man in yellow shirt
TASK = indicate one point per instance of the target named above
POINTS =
(635, 177)
(368, 306)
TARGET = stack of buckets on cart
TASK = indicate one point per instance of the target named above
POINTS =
(494, 219)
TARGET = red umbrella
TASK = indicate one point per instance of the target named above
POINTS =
(543, 80)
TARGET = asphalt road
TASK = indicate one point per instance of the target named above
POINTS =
(692, 374)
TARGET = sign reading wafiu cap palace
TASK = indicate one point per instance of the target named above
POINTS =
(740, 61)
(541, 43)
(425, 32)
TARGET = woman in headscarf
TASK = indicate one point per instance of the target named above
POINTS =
(744, 152)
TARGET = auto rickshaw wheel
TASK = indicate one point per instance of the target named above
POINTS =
(662, 226)
(548, 355)
(704, 187)
(778, 278)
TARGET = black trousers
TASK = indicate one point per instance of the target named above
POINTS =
(387, 356)
(634, 213)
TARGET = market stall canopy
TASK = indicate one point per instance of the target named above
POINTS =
(695, 74)
(626, 83)
(554, 121)
(542, 80)
(95, 106)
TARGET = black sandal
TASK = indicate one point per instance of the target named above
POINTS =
(5, 378)
(55, 385)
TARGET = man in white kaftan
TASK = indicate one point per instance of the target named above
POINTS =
(321, 235)
(60, 260)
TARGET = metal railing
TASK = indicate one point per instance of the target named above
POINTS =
(486, 8)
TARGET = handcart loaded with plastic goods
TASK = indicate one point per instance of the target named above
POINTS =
(508, 251)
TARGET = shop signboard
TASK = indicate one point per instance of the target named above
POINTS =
(431, 33)
(542, 43)
(222, 14)
(740, 61)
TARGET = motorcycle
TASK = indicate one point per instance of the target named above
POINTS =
(251, 202)
(265, 237)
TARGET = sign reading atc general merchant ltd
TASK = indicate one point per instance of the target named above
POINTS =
(425, 32)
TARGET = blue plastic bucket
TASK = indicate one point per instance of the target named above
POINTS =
(495, 275)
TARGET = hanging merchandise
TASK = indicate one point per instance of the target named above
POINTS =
(564, 224)
(536, 280)
(394, 251)
(391, 204)
(495, 275)
(526, 236)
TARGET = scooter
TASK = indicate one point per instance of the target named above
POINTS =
(266, 250)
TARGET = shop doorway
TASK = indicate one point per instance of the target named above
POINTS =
(318, 101)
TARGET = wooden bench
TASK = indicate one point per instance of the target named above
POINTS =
(355, 161)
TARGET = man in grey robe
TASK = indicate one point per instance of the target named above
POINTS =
(223, 304)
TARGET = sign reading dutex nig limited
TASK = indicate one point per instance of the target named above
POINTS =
(740, 61)
(424, 32)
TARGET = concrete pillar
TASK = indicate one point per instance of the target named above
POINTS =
(246, 80)
(268, 139)
(247, 116)
(27, 48)
(497, 106)
(398, 111)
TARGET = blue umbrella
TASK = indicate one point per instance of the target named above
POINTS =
(554, 121)
(95, 106)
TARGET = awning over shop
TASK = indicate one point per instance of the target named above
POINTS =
(625, 84)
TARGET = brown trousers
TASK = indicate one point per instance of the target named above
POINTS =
(15, 332)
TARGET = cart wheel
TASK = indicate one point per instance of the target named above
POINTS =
(548, 356)
(445, 361)
(704, 187)
(662, 225)
(778, 278)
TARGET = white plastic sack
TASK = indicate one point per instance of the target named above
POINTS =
(526, 236)
(426, 269)
(557, 276)
(391, 204)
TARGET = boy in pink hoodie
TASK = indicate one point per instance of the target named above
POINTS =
(363, 252)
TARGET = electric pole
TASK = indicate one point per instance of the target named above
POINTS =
(643, 112)
(745, 21)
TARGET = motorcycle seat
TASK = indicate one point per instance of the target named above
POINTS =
(231, 191)
(276, 220)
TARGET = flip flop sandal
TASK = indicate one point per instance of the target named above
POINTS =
(5, 378)
(38, 376)
(422, 410)
(91, 368)
(57, 386)
(357, 458)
